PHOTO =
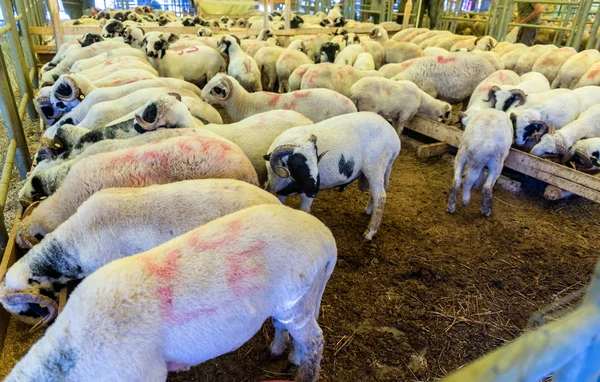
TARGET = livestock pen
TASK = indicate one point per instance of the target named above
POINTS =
(431, 293)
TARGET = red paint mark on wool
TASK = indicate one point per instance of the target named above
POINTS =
(340, 76)
(301, 94)
(247, 66)
(190, 50)
(161, 159)
(124, 81)
(274, 98)
(233, 229)
(289, 105)
(245, 268)
(408, 63)
(593, 73)
(443, 60)
(311, 77)
(165, 272)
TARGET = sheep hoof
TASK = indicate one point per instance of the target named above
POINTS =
(368, 235)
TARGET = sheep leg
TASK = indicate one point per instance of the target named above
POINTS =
(473, 171)
(305, 203)
(308, 338)
(398, 123)
(378, 197)
(459, 165)
(494, 171)
(280, 340)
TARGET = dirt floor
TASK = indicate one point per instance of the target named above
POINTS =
(433, 291)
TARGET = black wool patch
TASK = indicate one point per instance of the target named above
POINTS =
(345, 167)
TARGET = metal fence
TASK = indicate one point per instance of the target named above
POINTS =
(17, 17)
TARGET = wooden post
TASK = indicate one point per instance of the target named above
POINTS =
(266, 13)
(407, 12)
(56, 25)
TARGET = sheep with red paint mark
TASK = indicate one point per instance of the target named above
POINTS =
(507, 97)
(334, 153)
(197, 64)
(451, 78)
(337, 77)
(126, 221)
(140, 317)
(287, 62)
(242, 67)
(574, 68)
(127, 63)
(396, 101)
(482, 96)
(315, 104)
(171, 160)
(550, 62)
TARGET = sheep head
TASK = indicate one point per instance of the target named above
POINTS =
(265, 34)
(550, 145)
(166, 111)
(351, 38)
(34, 305)
(65, 93)
(377, 33)
(298, 161)
(583, 161)
(492, 95)
(89, 39)
(328, 51)
(134, 36)
(527, 128)
(113, 28)
(204, 32)
(515, 95)
(220, 89)
(46, 109)
(227, 42)
(156, 44)
(241, 23)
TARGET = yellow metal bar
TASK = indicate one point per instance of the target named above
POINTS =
(18, 17)
(9, 161)
(5, 29)
(23, 106)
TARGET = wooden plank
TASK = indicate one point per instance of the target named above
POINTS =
(56, 25)
(432, 150)
(8, 259)
(547, 171)
(44, 49)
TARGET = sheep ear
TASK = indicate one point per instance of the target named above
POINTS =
(172, 38)
(313, 138)
(267, 157)
(176, 95)
(336, 46)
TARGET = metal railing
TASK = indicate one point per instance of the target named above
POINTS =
(17, 19)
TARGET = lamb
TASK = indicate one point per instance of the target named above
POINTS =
(356, 146)
(482, 98)
(333, 76)
(364, 61)
(118, 213)
(396, 101)
(485, 143)
(574, 68)
(96, 336)
(550, 62)
(585, 154)
(559, 142)
(451, 78)
(225, 91)
(171, 160)
(197, 64)
(395, 51)
(533, 122)
(525, 63)
(286, 64)
(241, 66)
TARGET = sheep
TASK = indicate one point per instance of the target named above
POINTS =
(432, 51)
(485, 43)
(574, 68)
(492, 57)
(533, 122)
(408, 34)
(426, 36)
(451, 78)
(525, 63)
(510, 58)
(348, 55)
(447, 42)
(329, 51)
(92, 95)
(356, 146)
(44, 107)
(114, 56)
(254, 48)
(333, 76)
(295, 80)
(235, 263)
(588, 96)
(395, 51)
(376, 50)
(585, 154)
(482, 98)
(550, 62)
(241, 66)
(364, 61)
(119, 213)
(504, 97)
(197, 64)
(401, 100)
(266, 60)
(286, 64)
(225, 91)
(391, 70)
(168, 161)
(559, 142)
(485, 143)
(204, 32)
(591, 77)
(127, 65)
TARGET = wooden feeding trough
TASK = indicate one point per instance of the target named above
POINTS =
(562, 180)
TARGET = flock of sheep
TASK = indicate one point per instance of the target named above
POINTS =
(142, 190)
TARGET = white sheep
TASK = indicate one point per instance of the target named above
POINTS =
(409, 33)
(225, 91)
(574, 68)
(287, 62)
(295, 80)
(114, 56)
(119, 213)
(550, 62)
(418, 39)
(348, 55)
(559, 142)
(364, 61)
(533, 122)
(396, 101)
(241, 66)
(122, 63)
(334, 77)
(432, 51)
(525, 63)
(197, 64)
(171, 160)
(485, 43)
(266, 60)
(588, 96)
(355, 146)
(395, 51)
(376, 50)
(484, 144)
(585, 153)
(391, 70)
(482, 97)
(510, 58)
(504, 97)
(492, 57)
(447, 42)
(244, 273)
(451, 78)
(591, 77)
